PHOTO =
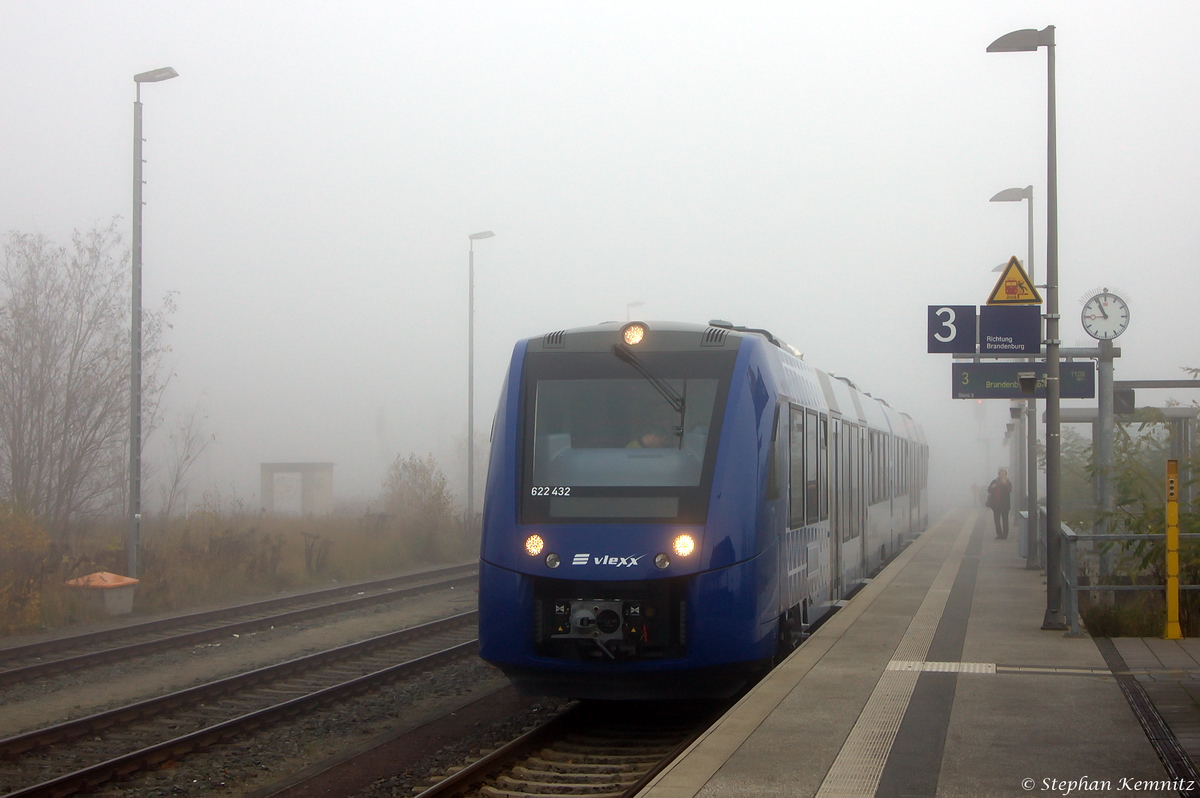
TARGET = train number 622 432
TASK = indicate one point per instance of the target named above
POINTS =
(550, 491)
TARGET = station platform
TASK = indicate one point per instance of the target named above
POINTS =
(936, 679)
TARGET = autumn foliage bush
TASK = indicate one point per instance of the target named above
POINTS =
(225, 552)
(26, 558)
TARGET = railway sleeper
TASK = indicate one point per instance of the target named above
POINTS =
(525, 775)
(611, 750)
(560, 788)
(622, 744)
(572, 766)
(598, 759)
(495, 792)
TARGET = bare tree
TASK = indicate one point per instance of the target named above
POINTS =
(64, 374)
(415, 493)
(188, 441)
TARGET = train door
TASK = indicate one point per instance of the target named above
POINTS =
(835, 484)
(851, 523)
(844, 481)
(842, 525)
(889, 448)
(858, 494)
(814, 574)
(909, 519)
(826, 496)
(914, 488)
(834, 490)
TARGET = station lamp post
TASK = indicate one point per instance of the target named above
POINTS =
(1029, 40)
(1031, 557)
(135, 337)
(471, 370)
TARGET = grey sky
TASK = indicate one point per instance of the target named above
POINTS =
(820, 169)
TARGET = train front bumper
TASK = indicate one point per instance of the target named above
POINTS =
(669, 637)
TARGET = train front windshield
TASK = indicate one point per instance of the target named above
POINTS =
(607, 442)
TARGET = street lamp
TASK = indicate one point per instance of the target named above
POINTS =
(135, 336)
(1029, 40)
(471, 370)
(1016, 195)
(1031, 558)
(630, 306)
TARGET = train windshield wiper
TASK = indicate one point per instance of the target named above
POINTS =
(677, 400)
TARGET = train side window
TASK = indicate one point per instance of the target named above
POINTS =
(823, 463)
(812, 504)
(796, 477)
(881, 491)
(885, 483)
(876, 459)
(907, 472)
(912, 467)
(774, 467)
(908, 467)
(873, 467)
(890, 458)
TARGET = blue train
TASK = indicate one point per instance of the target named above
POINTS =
(670, 507)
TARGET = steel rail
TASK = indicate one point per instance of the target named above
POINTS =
(129, 763)
(474, 774)
(49, 646)
(557, 729)
(415, 585)
(193, 695)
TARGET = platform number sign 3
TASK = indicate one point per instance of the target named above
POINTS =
(951, 328)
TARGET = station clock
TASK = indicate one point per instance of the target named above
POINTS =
(1105, 316)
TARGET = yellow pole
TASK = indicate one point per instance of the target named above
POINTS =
(1173, 631)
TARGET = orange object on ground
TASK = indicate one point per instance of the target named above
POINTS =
(102, 579)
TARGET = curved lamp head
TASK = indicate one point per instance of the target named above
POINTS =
(155, 75)
(480, 236)
(1013, 195)
(1022, 41)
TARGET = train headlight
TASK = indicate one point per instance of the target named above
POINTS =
(633, 334)
(684, 545)
(552, 560)
(534, 544)
(661, 561)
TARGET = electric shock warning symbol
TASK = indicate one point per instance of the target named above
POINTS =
(1014, 287)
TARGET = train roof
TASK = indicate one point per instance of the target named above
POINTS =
(811, 385)
(667, 336)
(660, 336)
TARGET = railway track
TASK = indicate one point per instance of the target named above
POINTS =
(37, 660)
(597, 749)
(81, 754)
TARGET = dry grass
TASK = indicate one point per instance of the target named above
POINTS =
(219, 558)
(1129, 616)
(1140, 614)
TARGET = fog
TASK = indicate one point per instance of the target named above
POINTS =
(820, 170)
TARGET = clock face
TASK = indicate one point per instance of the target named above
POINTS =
(1105, 316)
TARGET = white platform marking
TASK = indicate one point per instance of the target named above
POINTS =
(859, 765)
(942, 667)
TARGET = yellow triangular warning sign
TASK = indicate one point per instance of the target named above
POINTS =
(1014, 287)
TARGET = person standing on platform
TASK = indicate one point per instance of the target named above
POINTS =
(999, 496)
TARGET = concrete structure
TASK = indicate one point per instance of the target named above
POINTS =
(316, 486)
(933, 680)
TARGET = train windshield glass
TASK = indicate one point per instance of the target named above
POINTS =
(605, 443)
